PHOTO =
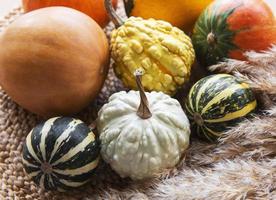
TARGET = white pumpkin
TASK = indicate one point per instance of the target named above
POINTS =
(141, 142)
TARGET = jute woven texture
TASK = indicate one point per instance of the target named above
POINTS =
(241, 166)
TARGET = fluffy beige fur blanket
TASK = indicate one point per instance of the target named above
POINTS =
(241, 166)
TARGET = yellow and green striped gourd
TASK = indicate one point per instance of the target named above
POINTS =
(218, 102)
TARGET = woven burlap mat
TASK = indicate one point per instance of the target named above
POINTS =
(241, 167)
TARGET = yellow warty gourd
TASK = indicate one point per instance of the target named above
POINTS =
(164, 52)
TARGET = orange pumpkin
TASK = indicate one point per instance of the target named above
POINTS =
(93, 8)
(53, 61)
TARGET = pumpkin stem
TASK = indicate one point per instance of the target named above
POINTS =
(46, 168)
(198, 119)
(116, 19)
(93, 125)
(143, 110)
(211, 38)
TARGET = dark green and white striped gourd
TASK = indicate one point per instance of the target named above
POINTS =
(60, 154)
(218, 102)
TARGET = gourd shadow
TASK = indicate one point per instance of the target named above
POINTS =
(197, 72)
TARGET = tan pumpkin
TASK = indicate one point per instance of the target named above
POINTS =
(53, 61)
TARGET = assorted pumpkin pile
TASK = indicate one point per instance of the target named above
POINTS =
(54, 60)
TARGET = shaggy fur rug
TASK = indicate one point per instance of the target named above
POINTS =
(242, 165)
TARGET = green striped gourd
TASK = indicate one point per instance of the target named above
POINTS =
(218, 102)
(60, 153)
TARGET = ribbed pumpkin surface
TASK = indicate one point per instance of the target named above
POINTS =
(60, 154)
(217, 102)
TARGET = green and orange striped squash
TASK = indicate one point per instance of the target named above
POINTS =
(229, 28)
(218, 102)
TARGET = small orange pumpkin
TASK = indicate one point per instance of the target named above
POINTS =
(93, 8)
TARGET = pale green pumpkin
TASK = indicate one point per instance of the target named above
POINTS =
(141, 141)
